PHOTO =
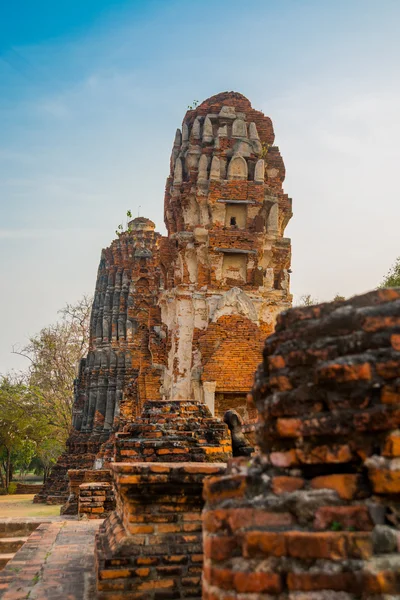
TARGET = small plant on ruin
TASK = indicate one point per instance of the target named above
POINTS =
(194, 104)
(308, 300)
(121, 229)
(392, 279)
(264, 150)
(336, 526)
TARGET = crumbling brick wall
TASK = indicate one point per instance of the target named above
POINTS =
(96, 500)
(151, 546)
(81, 451)
(174, 431)
(316, 514)
(78, 477)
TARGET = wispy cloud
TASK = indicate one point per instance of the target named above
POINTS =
(41, 234)
(55, 108)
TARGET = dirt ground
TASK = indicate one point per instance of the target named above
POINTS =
(20, 505)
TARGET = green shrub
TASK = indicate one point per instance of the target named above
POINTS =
(12, 488)
(3, 491)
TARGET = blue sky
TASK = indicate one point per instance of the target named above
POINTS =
(91, 94)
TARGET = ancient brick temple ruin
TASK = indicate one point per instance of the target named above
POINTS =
(178, 326)
(316, 515)
(184, 317)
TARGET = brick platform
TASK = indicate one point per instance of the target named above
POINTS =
(151, 546)
(174, 431)
(56, 563)
(317, 514)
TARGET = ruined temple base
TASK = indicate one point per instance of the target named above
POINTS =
(151, 546)
(78, 477)
(80, 454)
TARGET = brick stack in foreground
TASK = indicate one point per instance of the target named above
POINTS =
(316, 514)
(150, 548)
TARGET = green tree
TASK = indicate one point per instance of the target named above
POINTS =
(22, 425)
(392, 278)
(46, 456)
(23, 457)
(36, 407)
(54, 354)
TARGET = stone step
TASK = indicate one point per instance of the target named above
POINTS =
(5, 558)
(14, 528)
(11, 544)
(56, 499)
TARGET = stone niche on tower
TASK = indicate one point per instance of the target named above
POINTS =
(226, 262)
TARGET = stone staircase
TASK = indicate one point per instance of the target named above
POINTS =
(13, 535)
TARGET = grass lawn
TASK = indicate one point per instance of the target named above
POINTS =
(21, 505)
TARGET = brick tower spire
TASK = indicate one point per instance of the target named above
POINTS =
(225, 263)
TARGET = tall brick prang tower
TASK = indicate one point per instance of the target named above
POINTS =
(118, 375)
(225, 263)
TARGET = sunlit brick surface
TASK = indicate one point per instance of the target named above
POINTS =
(316, 514)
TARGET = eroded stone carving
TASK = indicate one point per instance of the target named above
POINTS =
(178, 172)
(196, 129)
(259, 172)
(202, 175)
(239, 128)
(235, 301)
(207, 130)
(215, 172)
(237, 168)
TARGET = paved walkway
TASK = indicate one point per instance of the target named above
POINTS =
(56, 563)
